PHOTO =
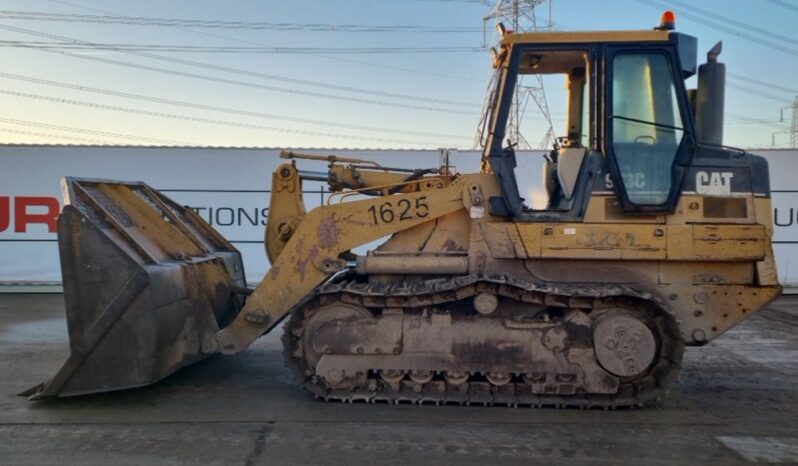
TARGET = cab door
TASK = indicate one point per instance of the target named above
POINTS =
(649, 138)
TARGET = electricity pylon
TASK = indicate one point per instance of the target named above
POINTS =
(521, 16)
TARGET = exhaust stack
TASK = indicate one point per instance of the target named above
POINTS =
(710, 98)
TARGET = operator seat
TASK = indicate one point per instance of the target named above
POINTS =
(560, 176)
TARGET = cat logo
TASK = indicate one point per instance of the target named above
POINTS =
(713, 183)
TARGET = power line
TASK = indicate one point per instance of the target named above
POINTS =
(738, 24)
(243, 83)
(763, 121)
(122, 47)
(727, 29)
(194, 119)
(352, 127)
(239, 71)
(198, 106)
(52, 136)
(784, 4)
(71, 129)
(264, 86)
(481, 2)
(758, 121)
(758, 93)
(329, 57)
(223, 24)
(775, 87)
(394, 68)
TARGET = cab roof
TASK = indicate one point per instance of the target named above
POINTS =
(586, 37)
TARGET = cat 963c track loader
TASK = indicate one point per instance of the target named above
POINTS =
(655, 236)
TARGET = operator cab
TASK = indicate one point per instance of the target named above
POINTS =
(628, 126)
(564, 163)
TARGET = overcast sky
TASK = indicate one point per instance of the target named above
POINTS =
(309, 97)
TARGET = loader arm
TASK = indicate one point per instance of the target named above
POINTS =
(312, 253)
(287, 208)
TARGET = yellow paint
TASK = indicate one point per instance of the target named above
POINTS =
(312, 253)
(585, 37)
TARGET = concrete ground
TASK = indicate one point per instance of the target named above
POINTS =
(736, 403)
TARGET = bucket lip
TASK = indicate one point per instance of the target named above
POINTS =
(43, 391)
(131, 289)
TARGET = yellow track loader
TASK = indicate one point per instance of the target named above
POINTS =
(654, 236)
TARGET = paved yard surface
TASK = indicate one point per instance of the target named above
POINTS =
(736, 403)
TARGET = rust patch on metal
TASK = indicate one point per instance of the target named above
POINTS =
(302, 265)
(709, 277)
(328, 233)
(611, 239)
(451, 245)
(354, 219)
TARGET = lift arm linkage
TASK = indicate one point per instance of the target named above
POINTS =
(312, 253)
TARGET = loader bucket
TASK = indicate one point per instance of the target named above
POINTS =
(147, 284)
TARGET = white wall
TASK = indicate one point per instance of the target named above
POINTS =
(230, 188)
(784, 189)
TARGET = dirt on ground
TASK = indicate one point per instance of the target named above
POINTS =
(736, 402)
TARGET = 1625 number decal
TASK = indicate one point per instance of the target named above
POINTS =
(403, 209)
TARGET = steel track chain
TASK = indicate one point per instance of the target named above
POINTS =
(641, 390)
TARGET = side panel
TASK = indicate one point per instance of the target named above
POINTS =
(627, 242)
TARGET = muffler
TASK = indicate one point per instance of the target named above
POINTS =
(147, 284)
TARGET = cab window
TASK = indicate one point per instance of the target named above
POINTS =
(563, 76)
(646, 125)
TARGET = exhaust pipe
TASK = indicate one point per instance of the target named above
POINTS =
(710, 98)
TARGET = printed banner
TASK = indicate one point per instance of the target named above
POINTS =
(229, 188)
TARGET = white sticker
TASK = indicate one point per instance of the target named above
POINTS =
(477, 211)
(569, 231)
